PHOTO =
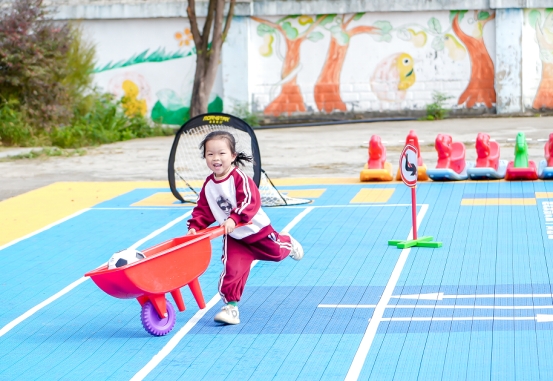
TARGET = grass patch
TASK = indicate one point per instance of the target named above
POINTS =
(44, 153)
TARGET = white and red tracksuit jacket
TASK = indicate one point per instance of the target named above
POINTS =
(237, 197)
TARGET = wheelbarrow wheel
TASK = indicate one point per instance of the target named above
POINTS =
(152, 322)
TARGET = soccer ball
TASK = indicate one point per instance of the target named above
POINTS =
(124, 257)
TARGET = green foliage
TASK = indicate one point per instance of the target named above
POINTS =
(45, 152)
(79, 62)
(46, 98)
(14, 129)
(33, 64)
(436, 110)
(103, 122)
(242, 111)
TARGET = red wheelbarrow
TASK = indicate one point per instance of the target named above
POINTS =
(167, 267)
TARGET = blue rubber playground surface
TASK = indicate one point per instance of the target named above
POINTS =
(478, 308)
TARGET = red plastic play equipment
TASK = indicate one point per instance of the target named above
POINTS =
(168, 266)
(548, 150)
(521, 168)
(450, 154)
(376, 168)
(412, 139)
(545, 168)
(377, 153)
(487, 166)
(487, 152)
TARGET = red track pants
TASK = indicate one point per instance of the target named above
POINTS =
(239, 255)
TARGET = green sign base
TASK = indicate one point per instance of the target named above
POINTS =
(419, 242)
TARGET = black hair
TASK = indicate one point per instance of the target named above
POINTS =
(241, 157)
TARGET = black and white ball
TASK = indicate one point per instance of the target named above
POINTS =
(124, 257)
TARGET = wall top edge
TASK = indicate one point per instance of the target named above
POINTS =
(277, 7)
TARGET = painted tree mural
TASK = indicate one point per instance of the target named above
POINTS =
(327, 88)
(481, 85)
(290, 98)
(544, 36)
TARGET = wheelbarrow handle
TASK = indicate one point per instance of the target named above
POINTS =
(217, 231)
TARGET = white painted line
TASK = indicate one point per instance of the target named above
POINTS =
(347, 306)
(437, 307)
(441, 296)
(468, 318)
(43, 229)
(39, 306)
(368, 337)
(282, 207)
(142, 373)
(161, 230)
(64, 291)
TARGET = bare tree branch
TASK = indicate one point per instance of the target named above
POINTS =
(208, 23)
(191, 10)
(229, 19)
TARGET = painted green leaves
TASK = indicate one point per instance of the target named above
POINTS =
(385, 28)
(461, 14)
(434, 25)
(263, 29)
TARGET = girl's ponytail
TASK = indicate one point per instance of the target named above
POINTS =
(242, 158)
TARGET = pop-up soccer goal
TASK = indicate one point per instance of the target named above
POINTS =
(188, 170)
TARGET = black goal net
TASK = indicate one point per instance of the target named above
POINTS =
(188, 170)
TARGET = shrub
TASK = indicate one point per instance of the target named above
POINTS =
(14, 129)
(103, 122)
(33, 51)
(436, 110)
(46, 72)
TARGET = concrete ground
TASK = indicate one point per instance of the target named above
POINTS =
(322, 151)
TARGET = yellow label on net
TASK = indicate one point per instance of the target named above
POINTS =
(216, 119)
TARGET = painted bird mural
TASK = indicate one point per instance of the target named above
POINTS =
(392, 77)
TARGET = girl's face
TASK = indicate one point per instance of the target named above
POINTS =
(218, 156)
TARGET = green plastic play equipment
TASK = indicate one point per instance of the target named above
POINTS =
(521, 151)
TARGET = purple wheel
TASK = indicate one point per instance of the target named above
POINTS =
(153, 324)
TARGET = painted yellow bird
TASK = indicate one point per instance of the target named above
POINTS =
(393, 76)
(130, 102)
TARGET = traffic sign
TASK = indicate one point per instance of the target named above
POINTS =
(408, 165)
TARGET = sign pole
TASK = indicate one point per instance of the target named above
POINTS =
(414, 210)
(408, 169)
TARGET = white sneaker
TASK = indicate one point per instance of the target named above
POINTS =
(229, 315)
(297, 250)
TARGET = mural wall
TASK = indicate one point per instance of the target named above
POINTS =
(326, 63)
(537, 46)
(373, 62)
(149, 64)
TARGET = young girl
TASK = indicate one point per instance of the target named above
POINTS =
(229, 197)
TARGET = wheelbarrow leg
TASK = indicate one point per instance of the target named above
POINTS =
(197, 292)
(178, 299)
(142, 300)
(160, 304)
